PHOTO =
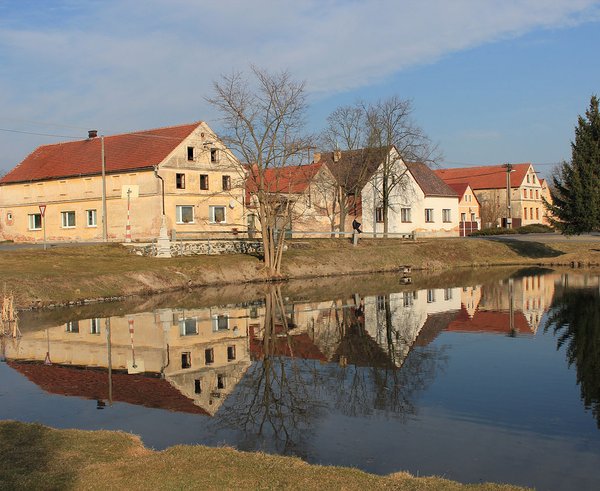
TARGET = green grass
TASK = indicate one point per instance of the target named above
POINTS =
(33, 456)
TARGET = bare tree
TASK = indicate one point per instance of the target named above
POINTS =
(386, 135)
(264, 125)
(390, 126)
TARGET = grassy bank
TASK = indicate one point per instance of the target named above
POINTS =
(71, 274)
(33, 456)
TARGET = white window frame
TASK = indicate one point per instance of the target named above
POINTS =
(95, 325)
(211, 213)
(429, 215)
(91, 218)
(179, 214)
(405, 215)
(32, 221)
(64, 219)
(447, 215)
(216, 318)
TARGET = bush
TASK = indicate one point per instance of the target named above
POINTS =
(535, 228)
(493, 231)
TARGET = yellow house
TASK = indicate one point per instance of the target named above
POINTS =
(118, 187)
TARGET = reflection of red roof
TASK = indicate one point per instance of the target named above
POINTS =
(296, 346)
(494, 322)
(485, 177)
(93, 384)
(129, 151)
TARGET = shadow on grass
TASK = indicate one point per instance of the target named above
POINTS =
(531, 249)
(25, 459)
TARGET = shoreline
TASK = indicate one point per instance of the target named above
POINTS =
(102, 273)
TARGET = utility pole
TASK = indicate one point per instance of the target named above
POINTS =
(104, 225)
(509, 169)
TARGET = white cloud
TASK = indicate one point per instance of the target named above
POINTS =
(133, 64)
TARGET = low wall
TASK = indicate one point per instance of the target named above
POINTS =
(202, 247)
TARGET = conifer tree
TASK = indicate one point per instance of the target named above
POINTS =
(575, 207)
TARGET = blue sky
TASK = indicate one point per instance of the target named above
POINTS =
(491, 81)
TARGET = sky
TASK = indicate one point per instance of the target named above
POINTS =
(491, 81)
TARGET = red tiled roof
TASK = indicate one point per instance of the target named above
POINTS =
(289, 180)
(494, 322)
(485, 177)
(129, 151)
(428, 180)
(459, 187)
(93, 384)
(296, 346)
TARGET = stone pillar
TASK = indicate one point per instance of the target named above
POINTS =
(163, 244)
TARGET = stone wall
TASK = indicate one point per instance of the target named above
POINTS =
(202, 247)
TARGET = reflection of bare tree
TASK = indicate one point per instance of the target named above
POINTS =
(575, 319)
(276, 400)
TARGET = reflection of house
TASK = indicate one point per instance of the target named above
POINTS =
(492, 322)
(419, 201)
(201, 352)
(202, 186)
(489, 183)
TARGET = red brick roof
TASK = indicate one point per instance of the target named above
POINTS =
(290, 180)
(485, 177)
(294, 346)
(493, 322)
(129, 151)
(93, 384)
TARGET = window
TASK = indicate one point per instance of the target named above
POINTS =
(220, 323)
(537, 213)
(90, 216)
(405, 215)
(35, 221)
(379, 214)
(446, 215)
(204, 182)
(380, 302)
(525, 213)
(209, 356)
(72, 326)
(430, 296)
(94, 326)
(220, 381)
(186, 359)
(473, 218)
(537, 194)
(407, 299)
(230, 353)
(197, 386)
(190, 153)
(429, 215)
(214, 156)
(528, 178)
(524, 193)
(67, 219)
(180, 181)
(463, 217)
(185, 214)
(226, 183)
(448, 294)
(217, 214)
(188, 327)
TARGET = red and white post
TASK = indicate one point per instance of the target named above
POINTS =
(128, 226)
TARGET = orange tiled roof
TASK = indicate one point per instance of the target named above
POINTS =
(493, 322)
(293, 179)
(93, 384)
(128, 151)
(485, 177)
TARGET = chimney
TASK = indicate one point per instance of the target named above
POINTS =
(337, 155)
(316, 157)
(92, 133)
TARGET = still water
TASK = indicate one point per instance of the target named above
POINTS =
(495, 380)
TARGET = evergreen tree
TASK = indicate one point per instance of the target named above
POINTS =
(575, 207)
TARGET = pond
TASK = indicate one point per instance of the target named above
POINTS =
(470, 379)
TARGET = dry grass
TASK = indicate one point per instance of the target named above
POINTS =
(71, 274)
(37, 457)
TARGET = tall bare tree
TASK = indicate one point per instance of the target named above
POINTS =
(376, 129)
(263, 118)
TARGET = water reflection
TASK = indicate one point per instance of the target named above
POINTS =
(575, 320)
(269, 367)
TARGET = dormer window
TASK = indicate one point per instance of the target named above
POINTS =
(214, 156)
(190, 153)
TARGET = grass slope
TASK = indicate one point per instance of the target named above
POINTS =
(33, 456)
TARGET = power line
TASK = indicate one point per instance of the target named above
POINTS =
(35, 133)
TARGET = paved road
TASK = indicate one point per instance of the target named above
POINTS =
(545, 237)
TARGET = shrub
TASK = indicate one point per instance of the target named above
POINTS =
(493, 231)
(535, 228)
